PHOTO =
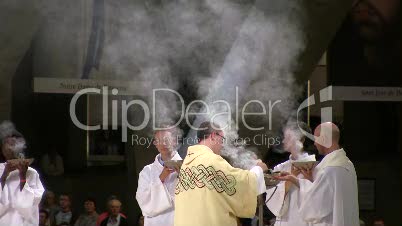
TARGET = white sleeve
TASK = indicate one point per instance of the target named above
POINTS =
(26, 201)
(152, 195)
(4, 200)
(260, 179)
(316, 199)
(276, 197)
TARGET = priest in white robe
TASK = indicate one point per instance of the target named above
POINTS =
(328, 197)
(21, 188)
(156, 183)
(283, 199)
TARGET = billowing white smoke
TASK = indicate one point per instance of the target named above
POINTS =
(214, 45)
(218, 46)
(260, 64)
(7, 129)
(164, 44)
(239, 156)
(16, 144)
(292, 141)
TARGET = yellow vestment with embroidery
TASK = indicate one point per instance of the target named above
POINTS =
(210, 192)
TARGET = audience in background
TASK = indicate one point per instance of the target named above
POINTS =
(90, 216)
(44, 218)
(49, 203)
(51, 214)
(114, 218)
(65, 216)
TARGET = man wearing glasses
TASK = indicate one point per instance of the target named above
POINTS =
(209, 190)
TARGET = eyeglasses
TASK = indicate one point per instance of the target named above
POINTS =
(223, 138)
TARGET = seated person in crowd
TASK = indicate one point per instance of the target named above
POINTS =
(378, 221)
(114, 218)
(90, 216)
(65, 217)
(43, 218)
(49, 203)
(104, 215)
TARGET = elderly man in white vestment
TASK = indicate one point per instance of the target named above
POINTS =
(156, 183)
(21, 188)
(328, 197)
(283, 199)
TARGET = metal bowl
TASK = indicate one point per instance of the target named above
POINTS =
(17, 161)
(174, 164)
(305, 165)
(270, 181)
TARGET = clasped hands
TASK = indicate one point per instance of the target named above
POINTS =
(166, 172)
(292, 176)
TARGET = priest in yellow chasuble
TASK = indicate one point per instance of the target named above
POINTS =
(210, 192)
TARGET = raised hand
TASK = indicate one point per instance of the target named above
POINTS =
(165, 173)
(261, 164)
(295, 171)
(10, 167)
(288, 177)
(308, 174)
(22, 167)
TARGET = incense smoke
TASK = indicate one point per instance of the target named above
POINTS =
(212, 46)
(12, 138)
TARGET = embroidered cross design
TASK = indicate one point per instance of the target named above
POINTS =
(201, 176)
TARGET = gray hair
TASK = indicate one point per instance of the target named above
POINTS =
(206, 129)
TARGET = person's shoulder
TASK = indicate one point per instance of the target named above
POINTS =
(214, 159)
(30, 169)
(103, 215)
(334, 171)
(331, 169)
(123, 221)
(123, 218)
(282, 166)
(147, 168)
(104, 221)
(80, 217)
(57, 212)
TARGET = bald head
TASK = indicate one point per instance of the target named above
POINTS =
(327, 137)
(329, 129)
